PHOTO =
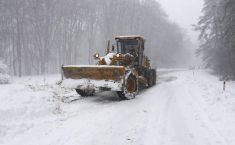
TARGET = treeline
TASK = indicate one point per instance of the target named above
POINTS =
(217, 27)
(38, 36)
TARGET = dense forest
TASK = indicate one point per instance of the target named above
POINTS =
(38, 36)
(217, 27)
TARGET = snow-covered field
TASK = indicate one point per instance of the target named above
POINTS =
(186, 107)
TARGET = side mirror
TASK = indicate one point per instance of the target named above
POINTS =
(96, 56)
(113, 48)
(108, 48)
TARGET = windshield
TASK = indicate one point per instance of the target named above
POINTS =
(127, 46)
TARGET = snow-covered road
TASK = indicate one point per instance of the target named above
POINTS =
(184, 108)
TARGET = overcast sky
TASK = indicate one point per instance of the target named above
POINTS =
(184, 12)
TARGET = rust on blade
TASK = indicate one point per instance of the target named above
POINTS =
(94, 73)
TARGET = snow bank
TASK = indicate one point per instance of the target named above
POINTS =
(212, 108)
(4, 77)
(26, 103)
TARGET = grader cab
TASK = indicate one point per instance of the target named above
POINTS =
(125, 71)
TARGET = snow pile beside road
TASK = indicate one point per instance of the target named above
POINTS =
(25, 104)
(4, 77)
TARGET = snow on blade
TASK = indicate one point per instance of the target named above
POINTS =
(83, 83)
(108, 58)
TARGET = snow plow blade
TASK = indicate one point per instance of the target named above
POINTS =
(95, 77)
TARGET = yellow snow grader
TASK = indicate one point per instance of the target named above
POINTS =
(124, 70)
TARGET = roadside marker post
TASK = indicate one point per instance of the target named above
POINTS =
(224, 86)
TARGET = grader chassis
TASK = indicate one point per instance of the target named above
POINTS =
(125, 71)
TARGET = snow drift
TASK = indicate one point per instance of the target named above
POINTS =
(4, 77)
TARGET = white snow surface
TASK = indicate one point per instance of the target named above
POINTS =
(186, 107)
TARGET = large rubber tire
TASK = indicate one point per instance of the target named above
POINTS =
(151, 78)
(83, 93)
(130, 89)
(154, 76)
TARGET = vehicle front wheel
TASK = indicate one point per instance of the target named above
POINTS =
(151, 78)
(130, 89)
(85, 93)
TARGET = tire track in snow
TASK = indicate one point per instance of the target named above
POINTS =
(203, 129)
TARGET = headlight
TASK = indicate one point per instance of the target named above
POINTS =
(118, 55)
(96, 56)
